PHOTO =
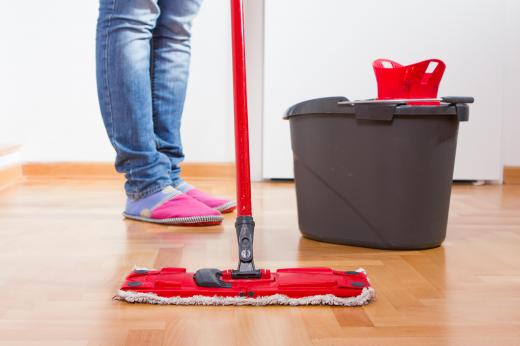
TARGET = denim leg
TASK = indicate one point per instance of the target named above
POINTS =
(171, 52)
(123, 46)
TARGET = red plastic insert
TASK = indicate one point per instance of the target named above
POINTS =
(420, 80)
(292, 282)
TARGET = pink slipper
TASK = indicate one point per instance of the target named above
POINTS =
(180, 209)
(220, 204)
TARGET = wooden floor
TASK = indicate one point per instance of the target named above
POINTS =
(64, 249)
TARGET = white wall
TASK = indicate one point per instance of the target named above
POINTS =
(254, 30)
(511, 125)
(48, 100)
(328, 49)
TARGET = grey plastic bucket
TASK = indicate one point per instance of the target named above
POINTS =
(376, 174)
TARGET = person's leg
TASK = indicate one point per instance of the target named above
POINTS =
(123, 44)
(171, 53)
(123, 58)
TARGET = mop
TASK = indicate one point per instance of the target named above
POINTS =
(245, 285)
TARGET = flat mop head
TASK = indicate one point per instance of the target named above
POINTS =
(295, 286)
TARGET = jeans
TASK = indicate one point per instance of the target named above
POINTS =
(142, 57)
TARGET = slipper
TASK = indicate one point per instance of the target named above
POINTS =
(220, 204)
(177, 209)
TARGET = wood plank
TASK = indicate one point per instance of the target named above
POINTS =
(10, 175)
(71, 169)
(83, 170)
(512, 175)
(67, 249)
(144, 337)
(208, 170)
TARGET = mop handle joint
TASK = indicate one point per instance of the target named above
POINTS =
(245, 228)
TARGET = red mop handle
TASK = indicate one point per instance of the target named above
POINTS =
(240, 98)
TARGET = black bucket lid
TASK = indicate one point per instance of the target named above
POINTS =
(381, 110)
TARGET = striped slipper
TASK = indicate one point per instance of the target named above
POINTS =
(172, 207)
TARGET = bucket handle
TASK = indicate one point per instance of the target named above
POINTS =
(446, 99)
(384, 110)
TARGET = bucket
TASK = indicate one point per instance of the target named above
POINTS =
(375, 173)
